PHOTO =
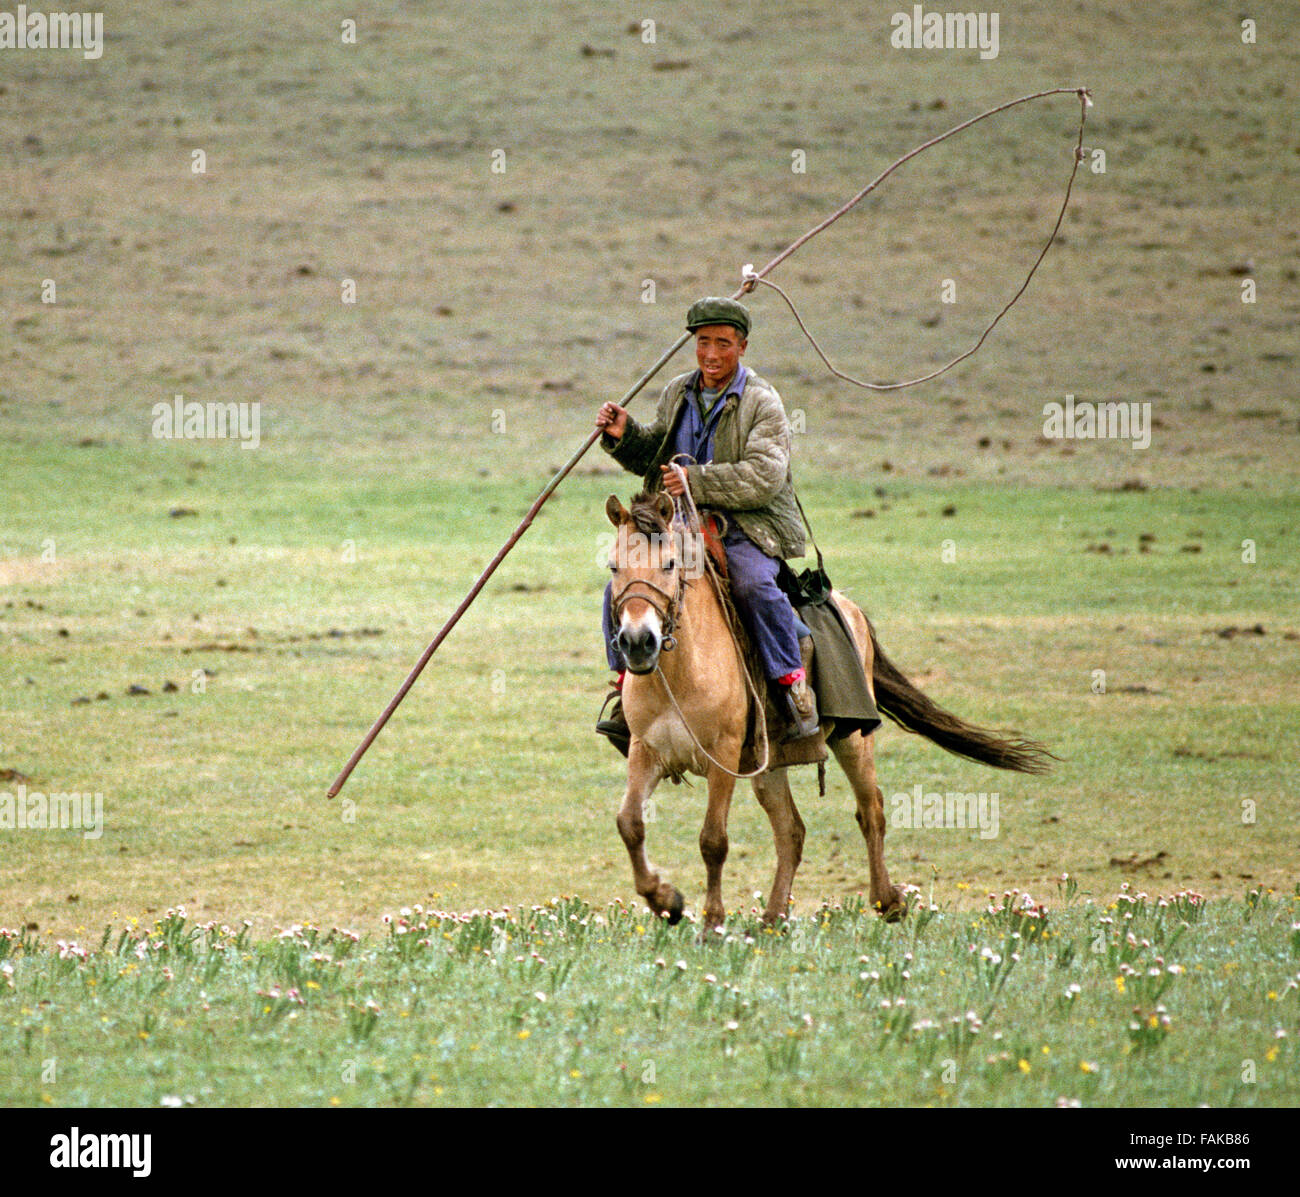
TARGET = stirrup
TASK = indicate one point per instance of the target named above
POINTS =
(615, 728)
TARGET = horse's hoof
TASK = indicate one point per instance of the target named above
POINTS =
(675, 909)
(896, 908)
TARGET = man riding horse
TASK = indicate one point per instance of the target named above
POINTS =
(731, 426)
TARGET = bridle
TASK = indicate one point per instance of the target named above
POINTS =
(668, 613)
(668, 610)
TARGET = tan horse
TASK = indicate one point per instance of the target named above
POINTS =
(686, 700)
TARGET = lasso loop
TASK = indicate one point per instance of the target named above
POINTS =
(750, 278)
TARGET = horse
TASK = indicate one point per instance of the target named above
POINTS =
(687, 695)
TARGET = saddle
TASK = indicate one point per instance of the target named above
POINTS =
(711, 525)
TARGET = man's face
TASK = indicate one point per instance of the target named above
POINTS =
(717, 352)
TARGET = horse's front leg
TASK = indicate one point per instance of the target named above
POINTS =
(644, 772)
(713, 844)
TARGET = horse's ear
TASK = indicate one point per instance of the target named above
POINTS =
(616, 511)
(667, 509)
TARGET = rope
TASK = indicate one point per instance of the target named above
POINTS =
(750, 278)
(717, 764)
(689, 515)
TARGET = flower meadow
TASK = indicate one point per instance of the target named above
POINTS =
(1135, 1000)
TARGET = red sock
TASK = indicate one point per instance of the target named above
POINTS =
(791, 678)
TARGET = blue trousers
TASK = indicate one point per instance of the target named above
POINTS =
(761, 604)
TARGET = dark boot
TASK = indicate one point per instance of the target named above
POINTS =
(801, 706)
(800, 701)
(614, 726)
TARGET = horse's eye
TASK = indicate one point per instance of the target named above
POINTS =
(670, 565)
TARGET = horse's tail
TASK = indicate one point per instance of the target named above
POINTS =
(913, 711)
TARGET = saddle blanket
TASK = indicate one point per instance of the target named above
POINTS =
(837, 676)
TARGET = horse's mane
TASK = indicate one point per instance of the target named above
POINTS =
(645, 513)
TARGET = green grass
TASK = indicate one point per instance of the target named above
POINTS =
(488, 784)
(1137, 1001)
(306, 598)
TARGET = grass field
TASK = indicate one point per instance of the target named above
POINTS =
(1132, 607)
(1141, 1001)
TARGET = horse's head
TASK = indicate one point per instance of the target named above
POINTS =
(649, 567)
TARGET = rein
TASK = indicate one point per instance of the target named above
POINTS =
(688, 516)
(762, 715)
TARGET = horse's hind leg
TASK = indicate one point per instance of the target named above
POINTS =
(854, 753)
(643, 774)
(773, 793)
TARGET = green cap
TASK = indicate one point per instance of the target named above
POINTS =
(718, 310)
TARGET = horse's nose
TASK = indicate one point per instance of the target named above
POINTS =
(639, 646)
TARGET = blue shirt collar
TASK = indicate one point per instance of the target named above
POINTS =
(736, 386)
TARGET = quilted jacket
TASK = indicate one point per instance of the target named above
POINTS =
(749, 478)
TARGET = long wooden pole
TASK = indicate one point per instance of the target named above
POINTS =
(492, 566)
